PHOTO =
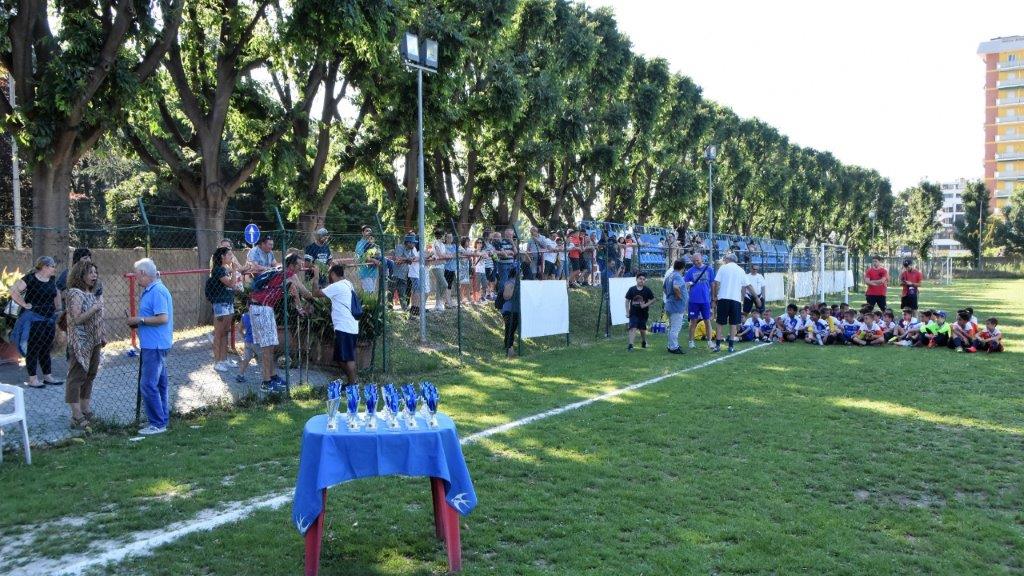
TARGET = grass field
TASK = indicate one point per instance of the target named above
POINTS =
(786, 459)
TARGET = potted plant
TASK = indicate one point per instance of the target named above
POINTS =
(8, 351)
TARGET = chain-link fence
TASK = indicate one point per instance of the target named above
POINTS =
(468, 316)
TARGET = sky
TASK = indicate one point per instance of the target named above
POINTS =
(896, 86)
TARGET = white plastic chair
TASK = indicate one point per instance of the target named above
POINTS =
(7, 392)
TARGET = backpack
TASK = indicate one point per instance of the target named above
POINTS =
(267, 288)
(212, 289)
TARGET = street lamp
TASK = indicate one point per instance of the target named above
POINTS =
(422, 58)
(710, 153)
(873, 215)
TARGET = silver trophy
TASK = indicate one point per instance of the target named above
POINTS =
(332, 413)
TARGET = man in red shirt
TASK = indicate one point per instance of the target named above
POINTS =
(877, 280)
(911, 279)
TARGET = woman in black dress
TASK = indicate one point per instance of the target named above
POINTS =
(37, 294)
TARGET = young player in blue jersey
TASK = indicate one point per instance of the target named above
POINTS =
(750, 331)
(849, 327)
(789, 324)
(768, 327)
(818, 330)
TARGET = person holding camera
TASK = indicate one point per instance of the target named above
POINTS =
(910, 279)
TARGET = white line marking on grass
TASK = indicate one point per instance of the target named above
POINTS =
(143, 543)
(617, 392)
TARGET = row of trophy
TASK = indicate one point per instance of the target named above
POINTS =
(399, 405)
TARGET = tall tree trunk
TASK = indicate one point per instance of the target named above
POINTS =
(208, 214)
(52, 182)
(517, 201)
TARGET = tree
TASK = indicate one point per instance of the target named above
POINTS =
(1010, 230)
(207, 94)
(72, 85)
(920, 225)
(967, 230)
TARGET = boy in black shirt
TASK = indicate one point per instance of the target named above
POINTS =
(638, 299)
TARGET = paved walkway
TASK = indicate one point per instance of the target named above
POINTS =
(194, 384)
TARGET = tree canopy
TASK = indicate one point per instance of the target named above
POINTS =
(540, 112)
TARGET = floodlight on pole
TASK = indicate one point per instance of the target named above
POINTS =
(710, 153)
(423, 57)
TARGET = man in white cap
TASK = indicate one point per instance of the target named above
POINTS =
(320, 253)
(727, 291)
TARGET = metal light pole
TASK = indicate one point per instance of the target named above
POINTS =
(873, 215)
(422, 61)
(710, 153)
(15, 170)
(981, 224)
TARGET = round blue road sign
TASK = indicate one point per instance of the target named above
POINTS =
(252, 234)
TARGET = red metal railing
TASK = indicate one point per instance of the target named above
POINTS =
(132, 304)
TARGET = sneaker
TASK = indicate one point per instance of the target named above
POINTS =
(240, 378)
(711, 346)
(715, 348)
(267, 385)
(732, 346)
(630, 347)
(151, 430)
(36, 384)
(894, 339)
(676, 351)
(972, 350)
(693, 345)
(959, 348)
(221, 366)
(643, 343)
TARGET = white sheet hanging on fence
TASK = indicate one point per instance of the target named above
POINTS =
(545, 307)
(617, 288)
(803, 284)
(775, 287)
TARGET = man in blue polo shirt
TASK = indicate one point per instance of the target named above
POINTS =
(698, 279)
(155, 324)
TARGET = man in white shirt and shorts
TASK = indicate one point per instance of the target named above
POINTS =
(727, 293)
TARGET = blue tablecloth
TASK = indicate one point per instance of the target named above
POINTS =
(330, 458)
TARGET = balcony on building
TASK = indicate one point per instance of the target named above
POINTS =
(1010, 175)
(1010, 156)
(1009, 137)
(1010, 83)
(1010, 65)
(1009, 101)
(1009, 119)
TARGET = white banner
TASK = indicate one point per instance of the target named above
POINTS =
(803, 283)
(775, 287)
(617, 288)
(545, 307)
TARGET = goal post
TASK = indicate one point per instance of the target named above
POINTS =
(834, 274)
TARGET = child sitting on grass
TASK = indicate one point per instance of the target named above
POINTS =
(907, 330)
(848, 327)
(870, 333)
(990, 339)
(768, 327)
(889, 325)
(936, 332)
(789, 324)
(751, 329)
(963, 333)
(818, 331)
